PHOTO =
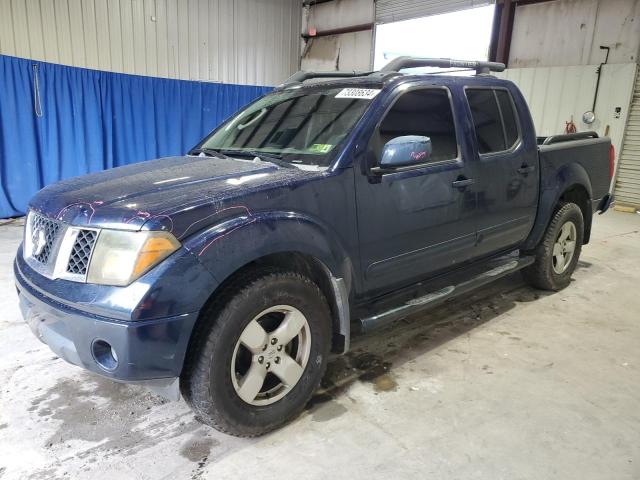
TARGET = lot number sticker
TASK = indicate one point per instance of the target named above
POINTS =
(364, 93)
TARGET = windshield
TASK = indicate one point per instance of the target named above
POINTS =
(298, 127)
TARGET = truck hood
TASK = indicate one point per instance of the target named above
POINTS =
(157, 191)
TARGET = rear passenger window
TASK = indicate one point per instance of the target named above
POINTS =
(508, 117)
(493, 118)
(426, 112)
(486, 120)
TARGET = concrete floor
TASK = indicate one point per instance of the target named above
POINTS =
(508, 383)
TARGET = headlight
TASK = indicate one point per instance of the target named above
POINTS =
(119, 257)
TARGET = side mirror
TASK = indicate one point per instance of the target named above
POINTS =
(405, 151)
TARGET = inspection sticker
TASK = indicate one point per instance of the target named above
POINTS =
(320, 147)
(364, 93)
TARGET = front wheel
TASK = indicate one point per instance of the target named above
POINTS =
(558, 253)
(259, 354)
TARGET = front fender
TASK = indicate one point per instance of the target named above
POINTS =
(227, 246)
(555, 181)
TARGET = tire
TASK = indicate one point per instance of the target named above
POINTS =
(548, 272)
(269, 299)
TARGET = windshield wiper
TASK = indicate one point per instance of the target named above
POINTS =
(264, 156)
(209, 152)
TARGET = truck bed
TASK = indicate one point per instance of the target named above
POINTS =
(591, 153)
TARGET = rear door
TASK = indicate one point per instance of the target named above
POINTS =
(415, 221)
(506, 172)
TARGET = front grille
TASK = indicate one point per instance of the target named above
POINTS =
(81, 252)
(44, 232)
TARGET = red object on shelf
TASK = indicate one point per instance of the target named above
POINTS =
(570, 126)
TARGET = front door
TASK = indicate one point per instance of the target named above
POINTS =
(416, 220)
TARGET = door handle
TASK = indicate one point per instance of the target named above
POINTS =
(462, 182)
(526, 169)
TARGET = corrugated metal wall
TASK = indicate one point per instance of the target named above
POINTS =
(628, 175)
(570, 32)
(347, 51)
(397, 10)
(252, 42)
(555, 94)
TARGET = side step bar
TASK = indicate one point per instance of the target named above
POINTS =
(439, 296)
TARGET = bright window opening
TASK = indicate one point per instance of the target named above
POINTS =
(462, 35)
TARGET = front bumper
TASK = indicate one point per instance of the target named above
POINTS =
(150, 352)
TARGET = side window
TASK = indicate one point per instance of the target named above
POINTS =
(508, 116)
(486, 120)
(493, 118)
(426, 112)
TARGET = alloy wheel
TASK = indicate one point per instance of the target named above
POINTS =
(271, 355)
(564, 248)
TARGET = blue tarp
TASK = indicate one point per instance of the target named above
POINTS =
(58, 122)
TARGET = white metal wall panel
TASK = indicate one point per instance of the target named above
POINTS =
(555, 94)
(349, 51)
(570, 32)
(339, 13)
(627, 189)
(232, 41)
(396, 10)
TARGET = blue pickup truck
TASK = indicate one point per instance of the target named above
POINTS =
(337, 203)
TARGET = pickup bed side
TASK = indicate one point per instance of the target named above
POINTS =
(571, 171)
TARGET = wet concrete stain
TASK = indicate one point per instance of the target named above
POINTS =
(198, 449)
(74, 403)
(357, 365)
(113, 415)
(385, 383)
(319, 399)
(343, 371)
(328, 411)
(339, 370)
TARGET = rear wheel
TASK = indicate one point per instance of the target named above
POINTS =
(259, 354)
(558, 253)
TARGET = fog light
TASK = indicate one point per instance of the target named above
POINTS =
(104, 355)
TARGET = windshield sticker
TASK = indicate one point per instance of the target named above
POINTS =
(320, 147)
(364, 93)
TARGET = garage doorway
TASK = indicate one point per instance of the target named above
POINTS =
(463, 34)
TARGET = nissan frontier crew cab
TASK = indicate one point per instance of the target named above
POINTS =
(337, 202)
